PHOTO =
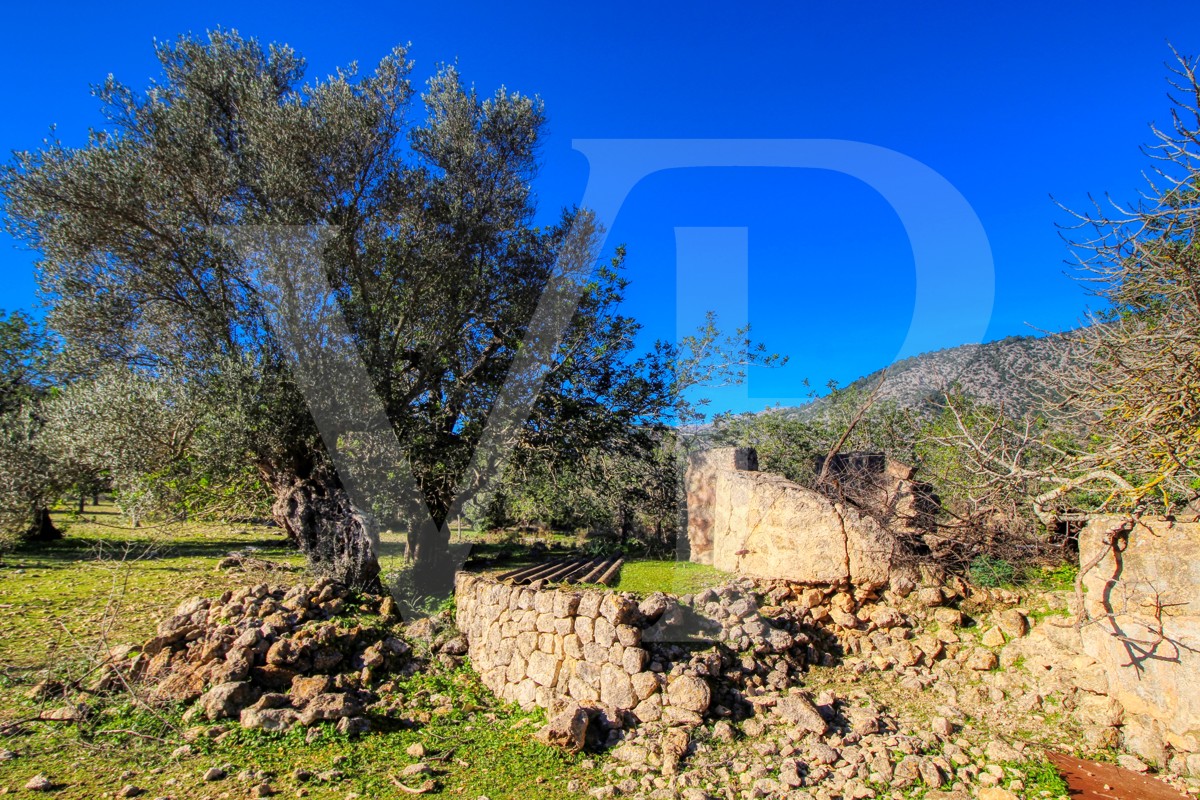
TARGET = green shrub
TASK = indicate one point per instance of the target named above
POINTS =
(991, 572)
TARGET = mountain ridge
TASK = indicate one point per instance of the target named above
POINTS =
(1006, 372)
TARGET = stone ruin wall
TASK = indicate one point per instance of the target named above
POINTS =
(765, 526)
(538, 647)
(1143, 641)
(1144, 600)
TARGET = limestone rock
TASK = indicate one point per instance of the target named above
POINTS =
(690, 693)
(948, 616)
(39, 783)
(305, 688)
(996, 793)
(821, 753)
(227, 699)
(1013, 623)
(930, 596)
(567, 730)
(543, 668)
(993, 637)
(1159, 562)
(700, 482)
(353, 726)
(329, 706)
(615, 687)
(982, 660)
(654, 606)
(799, 710)
(269, 719)
(931, 774)
(777, 528)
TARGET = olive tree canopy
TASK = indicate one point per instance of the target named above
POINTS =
(428, 250)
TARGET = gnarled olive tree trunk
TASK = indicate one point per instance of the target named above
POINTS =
(336, 538)
(434, 566)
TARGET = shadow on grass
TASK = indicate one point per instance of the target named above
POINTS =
(69, 550)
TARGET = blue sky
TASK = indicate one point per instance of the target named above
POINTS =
(1010, 103)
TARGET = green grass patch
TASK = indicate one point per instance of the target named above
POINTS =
(1039, 614)
(482, 747)
(1060, 578)
(105, 583)
(673, 577)
(1040, 777)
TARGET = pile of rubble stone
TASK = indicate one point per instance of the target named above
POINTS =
(271, 658)
(935, 689)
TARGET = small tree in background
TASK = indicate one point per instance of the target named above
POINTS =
(28, 483)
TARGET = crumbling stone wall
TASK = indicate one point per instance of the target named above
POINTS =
(1144, 599)
(765, 526)
(535, 646)
(701, 479)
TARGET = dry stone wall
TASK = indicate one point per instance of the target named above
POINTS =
(535, 646)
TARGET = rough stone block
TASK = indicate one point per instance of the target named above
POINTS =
(634, 660)
(543, 602)
(587, 672)
(589, 604)
(595, 654)
(516, 669)
(644, 684)
(566, 604)
(584, 627)
(649, 710)
(543, 668)
(525, 694)
(619, 609)
(582, 692)
(604, 633)
(615, 687)
(572, 647)
(629, 636)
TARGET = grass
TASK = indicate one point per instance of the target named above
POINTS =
(479, 748)
(991, 572)
(1059, 578)
(675, 577)
(1039, 777)
(102, 581)
(108, 584)
(1039, 614)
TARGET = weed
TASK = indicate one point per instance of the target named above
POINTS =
(1040, 777)
(991, 572)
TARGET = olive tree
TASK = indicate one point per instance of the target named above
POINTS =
(428, 251)
(27, 483)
